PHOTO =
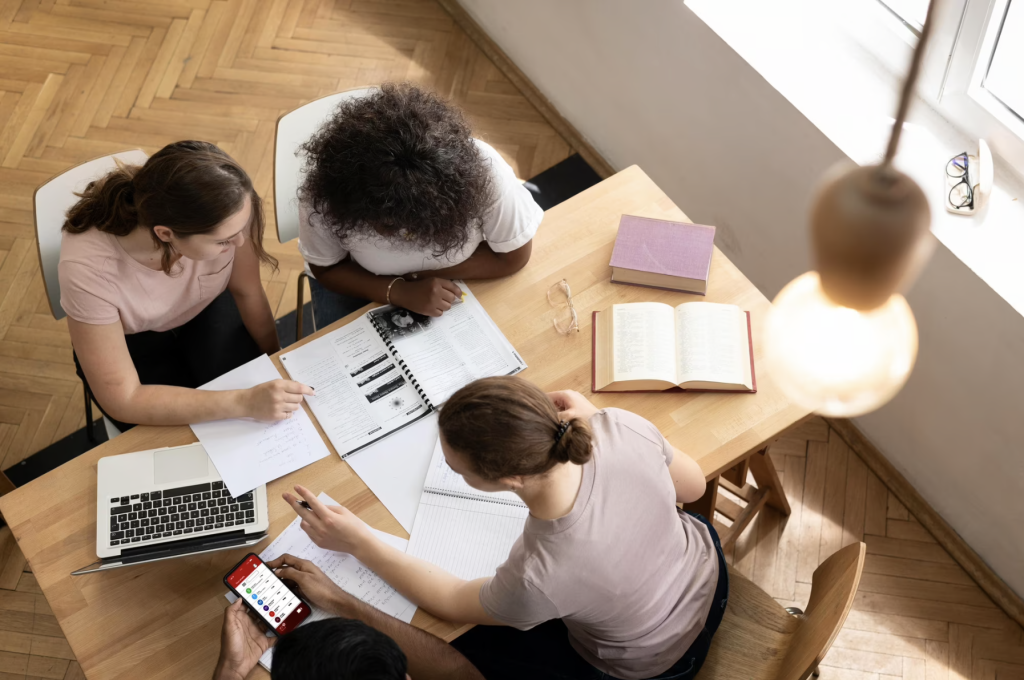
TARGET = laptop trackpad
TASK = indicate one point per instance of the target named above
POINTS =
(176, 465)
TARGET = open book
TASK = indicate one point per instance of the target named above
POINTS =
(466, 532)
(391, 367)
(651, 347)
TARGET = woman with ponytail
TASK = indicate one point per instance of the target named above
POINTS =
(160, 278)
(608, 580)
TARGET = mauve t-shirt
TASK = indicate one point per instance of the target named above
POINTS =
(631, 577)
(101, 283)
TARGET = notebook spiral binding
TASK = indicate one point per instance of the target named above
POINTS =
(472, 497)
(398, 359)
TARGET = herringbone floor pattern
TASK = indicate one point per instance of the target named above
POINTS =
(84, 78)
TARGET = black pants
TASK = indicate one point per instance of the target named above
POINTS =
(503, 653)
(213, 343)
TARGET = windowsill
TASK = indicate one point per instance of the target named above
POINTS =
(816, 64)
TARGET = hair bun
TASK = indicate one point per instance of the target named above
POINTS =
(572, 442)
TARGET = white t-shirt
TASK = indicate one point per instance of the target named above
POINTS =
(508, 224)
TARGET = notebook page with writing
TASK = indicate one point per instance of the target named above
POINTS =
(466, 532)
(350, 574)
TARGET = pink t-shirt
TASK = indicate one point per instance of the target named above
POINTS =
(100, 283)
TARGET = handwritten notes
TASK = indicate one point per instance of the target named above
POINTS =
(351, 575)
(248, 452)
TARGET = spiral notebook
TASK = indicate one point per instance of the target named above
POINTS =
(466, 532)
(392, 367)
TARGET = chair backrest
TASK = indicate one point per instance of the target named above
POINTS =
(294, 129)
(51, 203)
(833, 588)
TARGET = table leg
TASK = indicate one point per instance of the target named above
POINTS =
(768, 479)
(705, 505)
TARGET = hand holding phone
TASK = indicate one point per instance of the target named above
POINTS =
(267, 595)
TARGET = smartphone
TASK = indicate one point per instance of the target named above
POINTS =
(267, 595)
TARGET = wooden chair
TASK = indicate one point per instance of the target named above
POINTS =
(760, 640)
(51, 202)
(294, 129)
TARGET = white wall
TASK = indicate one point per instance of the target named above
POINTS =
(649, 83)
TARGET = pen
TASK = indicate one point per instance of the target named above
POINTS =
(305, 505)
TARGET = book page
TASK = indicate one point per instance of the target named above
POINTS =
(643, 342)
(362, 394)
(712, 343)
(249, 452)
(351, 575)
(449, 351)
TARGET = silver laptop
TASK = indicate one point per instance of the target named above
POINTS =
(163, 503)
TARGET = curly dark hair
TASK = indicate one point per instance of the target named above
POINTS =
(398, 158)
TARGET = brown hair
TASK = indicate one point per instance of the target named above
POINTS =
(189, 187)
(506, 426)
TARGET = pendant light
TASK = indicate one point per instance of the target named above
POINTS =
(842, 340)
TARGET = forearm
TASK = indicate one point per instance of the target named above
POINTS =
(258, 319)
(687, 477)
(349, 278)
(429, 657)
(484, 263)
(426, 585)
(168, 405)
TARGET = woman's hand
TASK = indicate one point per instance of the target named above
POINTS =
(275, 400)
(332, 527)
(314, 584)
(432, 296)
(572, 404)
(242, 643)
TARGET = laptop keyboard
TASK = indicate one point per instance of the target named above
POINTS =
(174, 512)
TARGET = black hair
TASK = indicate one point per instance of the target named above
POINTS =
(337, 649)
(400, 158)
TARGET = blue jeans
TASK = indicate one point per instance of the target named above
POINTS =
(329, 306)
(501, 653)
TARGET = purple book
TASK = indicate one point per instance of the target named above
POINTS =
(663, 254)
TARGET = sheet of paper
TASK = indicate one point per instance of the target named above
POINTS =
(395, 468)
(463, 533)
(351, 575)
(248, 452)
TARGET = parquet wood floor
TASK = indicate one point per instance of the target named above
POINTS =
(84, 78)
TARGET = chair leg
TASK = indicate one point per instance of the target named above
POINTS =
(90, 432)
(799, 613)
(299, 304)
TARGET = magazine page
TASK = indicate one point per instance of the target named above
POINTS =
(362, 394)
(447, 352)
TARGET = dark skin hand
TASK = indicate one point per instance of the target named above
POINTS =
(242, 643)
(429, 657)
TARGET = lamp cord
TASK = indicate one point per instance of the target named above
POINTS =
(910, 83)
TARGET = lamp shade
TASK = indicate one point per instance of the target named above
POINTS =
(836, 360)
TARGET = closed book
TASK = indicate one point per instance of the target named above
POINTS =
(663, 254)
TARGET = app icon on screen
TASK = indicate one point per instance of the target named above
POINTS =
(248, 590)
(254, 597)
(260, 602)
(278, 619)
(265, 608)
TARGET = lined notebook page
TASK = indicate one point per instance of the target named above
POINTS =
(460, 529)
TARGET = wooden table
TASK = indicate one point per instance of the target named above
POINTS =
(163, 620)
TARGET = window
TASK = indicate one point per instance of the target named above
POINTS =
(1005, 79)
(982, 91)
(911, 12)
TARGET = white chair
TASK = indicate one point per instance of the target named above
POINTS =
(52, 201)
(293, 130)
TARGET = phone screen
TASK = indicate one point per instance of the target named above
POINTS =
(255, 583)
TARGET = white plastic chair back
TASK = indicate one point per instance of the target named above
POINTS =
(53, 200)
(293, 130)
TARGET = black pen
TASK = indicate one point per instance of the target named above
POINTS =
(305, 505)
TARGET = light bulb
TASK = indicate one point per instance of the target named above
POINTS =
(836, 360)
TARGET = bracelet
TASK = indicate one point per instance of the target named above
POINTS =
(387, 296)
